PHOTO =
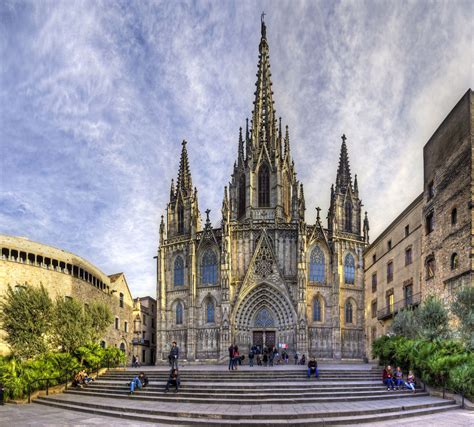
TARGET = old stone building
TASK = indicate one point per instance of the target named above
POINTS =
(264, 276)
(428, 248)
(144, 330)
(64, 274)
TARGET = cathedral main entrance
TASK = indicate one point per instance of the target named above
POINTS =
(264, 339)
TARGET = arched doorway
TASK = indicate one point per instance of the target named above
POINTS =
(264, 317)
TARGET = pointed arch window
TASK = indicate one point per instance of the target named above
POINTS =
(454, 261)
(348, 312)
(317, 310)
(348, 217)
(180, 219)
(210, 312)
(316, 266)
(349, 270)
(179, 313)
(179, 271)
(264, 187)
(209, 268)
(241, 210)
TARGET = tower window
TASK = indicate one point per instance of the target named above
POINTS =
(121, 300)
(373, 308)
(209, 268)
(389, 272)
(408, 256)
(430, 267)
(179, 271)
(430, 190)
(180, 219)
(316, 266)
(374, 282)
(454, 261)
(348, 312)
(454, 216)
(349, 270)
(264, 187)
(389, 245)
(316, 310)
(210, 312)
(179, 313)
(348, 217)
(241, 205)
(407, 230)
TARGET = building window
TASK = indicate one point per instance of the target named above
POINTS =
(241, 196)
(264, 187)
(125, 328)
(429, 223)
(389, 272)
(374, 282)
(348, 216)
(179, 271)
(316, 310)
(454, 216)
(407, 230)
(117, 323)
(454, 261)
(316, 266)
(430, 267)
(209, 268)
(144, 319)
(374, 258)
(180, 219)
(121, 300)
(348, 312)
(373, 308)
(408, 256)
(389, 298)
(430, 190)
(179, 313)
(210, 312)
(373, 333)
(122, 347)
(408, 294)
(349, 269)
(389, 245)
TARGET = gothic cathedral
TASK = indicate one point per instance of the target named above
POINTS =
(265, 276)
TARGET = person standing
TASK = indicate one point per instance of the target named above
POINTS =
(236, 358)
(296, 357)
(231, 357)
(174, 355)
(251, 356)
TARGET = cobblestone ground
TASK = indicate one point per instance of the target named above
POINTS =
(39, 415)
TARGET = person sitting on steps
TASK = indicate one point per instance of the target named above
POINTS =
(143, 379)
(410, 382)
(173, 380)
(135, 383)
(313, 368)
(398, 378)
(387, 377)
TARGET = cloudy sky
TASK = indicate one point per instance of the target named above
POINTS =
(96, 97)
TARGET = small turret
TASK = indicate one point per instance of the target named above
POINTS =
(366, 228)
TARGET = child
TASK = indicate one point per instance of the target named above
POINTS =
(410, 382)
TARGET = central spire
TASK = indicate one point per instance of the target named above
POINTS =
(263, 115)
(184, 183)
(343, 179)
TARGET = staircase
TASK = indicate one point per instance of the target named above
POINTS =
(251, 396)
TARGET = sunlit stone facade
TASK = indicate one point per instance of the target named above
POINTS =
(264, 276)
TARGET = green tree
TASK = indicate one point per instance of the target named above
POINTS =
(406, 324)
(433, 319)
(70, 325)
(25, 316)
(463, 308)
(99, 318)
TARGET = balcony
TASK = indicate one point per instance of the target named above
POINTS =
(141, 341)
(391, 310)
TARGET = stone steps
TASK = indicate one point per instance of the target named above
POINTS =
(255, 399)
(262, 417)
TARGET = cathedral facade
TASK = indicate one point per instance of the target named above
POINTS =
(265, 277)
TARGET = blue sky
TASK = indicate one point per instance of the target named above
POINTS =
(96, 97)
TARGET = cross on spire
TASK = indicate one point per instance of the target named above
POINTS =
(343, 137)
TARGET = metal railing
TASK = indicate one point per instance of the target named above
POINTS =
(392, 309)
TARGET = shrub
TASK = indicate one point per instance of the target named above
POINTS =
(463, 308)
(460, 379)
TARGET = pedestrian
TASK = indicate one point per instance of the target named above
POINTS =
(236, 358)
(265, 358)
(296, 357)
(174, 355)
(251, 356)
(134, 361)
(231, 357)
(303, 360)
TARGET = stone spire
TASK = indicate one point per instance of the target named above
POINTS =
(184, 182)
(241, 149)
(263, 119)
(343, 179)
(366, 228)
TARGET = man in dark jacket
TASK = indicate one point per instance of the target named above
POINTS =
(231, 357)
(173, 356)
(313, 368)
(173, 380)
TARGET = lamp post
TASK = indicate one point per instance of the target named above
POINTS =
(137, 330)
